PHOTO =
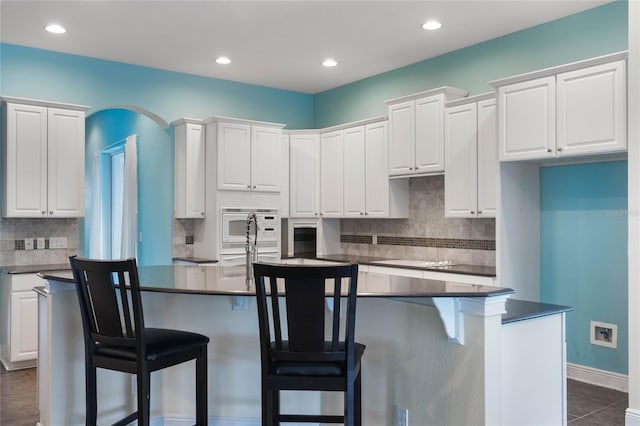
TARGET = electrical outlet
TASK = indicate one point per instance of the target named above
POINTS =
(28, 243)
(402, 416)
(40, 243)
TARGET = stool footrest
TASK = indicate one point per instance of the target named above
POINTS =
(311, 418)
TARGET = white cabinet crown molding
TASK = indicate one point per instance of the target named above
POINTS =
(344, 126)
(186, 120)
(218, 118)
(47, 104)
(447, 90)
(470, 99)
(560, 69)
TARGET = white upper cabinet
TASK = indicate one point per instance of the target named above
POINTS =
(44, 160)
(527, 120)
(234, 156)
(265, 159)
(331, 174)
(248, 156)
(487, 158)
(189, 169)
(416, 131)
(368, 192)
(462, 161)
(591, 110)
(284, 175)
(355, 172)
(573, 110)
(304, 174)
(471, 160)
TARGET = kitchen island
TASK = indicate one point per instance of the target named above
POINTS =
(438, 348)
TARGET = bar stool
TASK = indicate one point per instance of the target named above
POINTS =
(115, 337)
(307, 360)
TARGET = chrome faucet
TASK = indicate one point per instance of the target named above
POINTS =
(251, 252)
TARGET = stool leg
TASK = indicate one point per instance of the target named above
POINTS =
(357, 401)
(91, 395)
(144, 379)
(349, 399)
(201, 388)
(275, 410)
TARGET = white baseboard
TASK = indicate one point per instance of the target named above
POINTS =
(598, 377)
(632, 417)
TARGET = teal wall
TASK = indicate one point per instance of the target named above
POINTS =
(41, 74)
(584, 254)
(591, 33)
(155, 178)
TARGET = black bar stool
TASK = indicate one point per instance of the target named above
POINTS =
(115, 337)
(306, 360)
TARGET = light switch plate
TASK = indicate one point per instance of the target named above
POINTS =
(28, 243)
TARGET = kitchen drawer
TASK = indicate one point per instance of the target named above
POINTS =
(24, 282)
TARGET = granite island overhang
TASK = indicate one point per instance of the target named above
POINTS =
(409, 362)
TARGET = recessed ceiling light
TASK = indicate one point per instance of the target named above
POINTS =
(329, 63)
(223, 60)
(431, 25)
(55, 29)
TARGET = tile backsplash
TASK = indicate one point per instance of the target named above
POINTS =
(427, 234)
(183, 237)
(14, 232)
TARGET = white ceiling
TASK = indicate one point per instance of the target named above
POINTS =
(277, 44)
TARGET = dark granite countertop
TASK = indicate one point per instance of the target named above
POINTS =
(488, 271)
(520, 310)
(218, 280)
(196, 260)
(32, 269)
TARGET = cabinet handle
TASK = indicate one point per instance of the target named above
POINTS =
(50, 212)
(549, 149)
(361, 213)
(44, 212)
(202, 214)
(410, 168)
(249, 186)
(559, 149)
(366, 213)
(479, 211)
(472, 212)
(254, 187)
(316, 214)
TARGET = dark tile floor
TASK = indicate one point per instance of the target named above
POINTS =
(18, 397)
(587, 405)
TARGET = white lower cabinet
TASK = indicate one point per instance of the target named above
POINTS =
(19, 348)
(471, 160)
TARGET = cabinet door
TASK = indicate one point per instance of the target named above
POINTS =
(25, 161)
(234, 156)
(377, 180)
(527, 123)
(304, 176)
(592, 110)
(460, 179)
(402, 138)
(284, 176)
(189, 171)
(24, 326)
(487, 158)
(331, 174)
(65, 163)
(265, 159)
(354, 172)
(430, 134)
